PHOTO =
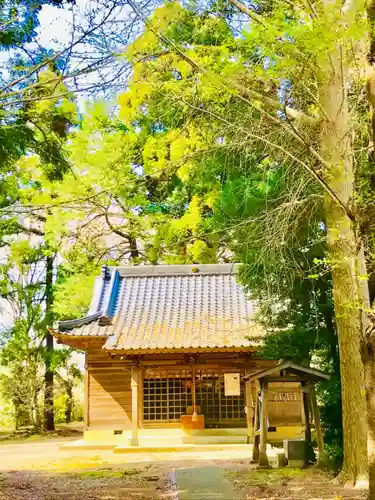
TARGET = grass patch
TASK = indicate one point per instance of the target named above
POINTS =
(106, 473)
(72, 463)
(26, 435)
(266, 477)
(151, 478)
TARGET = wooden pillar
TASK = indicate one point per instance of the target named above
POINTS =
(140, 398)
(306, 411)
(263, 459)
(318, 429)
(135, 380)
(249, 410)
(86, 421)
(195, 416)
(255, 457)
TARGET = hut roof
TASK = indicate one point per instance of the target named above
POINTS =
(289, 367)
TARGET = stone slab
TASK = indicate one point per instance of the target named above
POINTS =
(203, 483)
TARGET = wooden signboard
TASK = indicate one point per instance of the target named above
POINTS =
(285, 406)
(232, 385)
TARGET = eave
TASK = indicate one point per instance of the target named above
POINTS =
(177, 350)
(78, 341)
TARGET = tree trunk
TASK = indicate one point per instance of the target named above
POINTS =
(370, 392)
(134, 252)
(17, 416)
(330, 326)
(69, 404)
(349, 291)
(35, 410)
(369, 344)
(49, 424)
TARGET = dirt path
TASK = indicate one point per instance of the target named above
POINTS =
(38, 470)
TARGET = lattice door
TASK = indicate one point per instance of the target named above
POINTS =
(165, 395)
(215, 406)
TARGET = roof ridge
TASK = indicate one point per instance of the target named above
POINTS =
(178, 270)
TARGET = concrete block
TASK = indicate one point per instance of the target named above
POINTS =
(295, 452)
(280, 459)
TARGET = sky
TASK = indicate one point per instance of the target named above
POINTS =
(54, 25)
(55, 32)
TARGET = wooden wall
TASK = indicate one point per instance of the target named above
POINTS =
(109, 399)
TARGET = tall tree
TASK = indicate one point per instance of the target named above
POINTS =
(290, 85)
(23, 286)
(44, 124)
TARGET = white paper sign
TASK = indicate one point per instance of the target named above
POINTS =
(232, 384)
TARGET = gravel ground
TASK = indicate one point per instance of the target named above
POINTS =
(89, 485)
(288, 484)
(38, 470)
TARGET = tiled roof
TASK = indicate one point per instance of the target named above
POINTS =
(168, 307)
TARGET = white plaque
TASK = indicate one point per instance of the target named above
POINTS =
(232, 384)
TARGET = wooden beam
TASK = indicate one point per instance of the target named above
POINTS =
(289, 379)
(263, 459)
(319, 435)
(93, 368)
(181, 350)
(135, 379)
(226, 364)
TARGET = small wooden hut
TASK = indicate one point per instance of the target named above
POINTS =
(287, 382)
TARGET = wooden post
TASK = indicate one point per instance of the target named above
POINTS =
(249, 410)
(135, 405)
(140, 398)
(195, 416)
(86, 421)
(255, 432)
(318, 429)
(263, 459)
(306, 412)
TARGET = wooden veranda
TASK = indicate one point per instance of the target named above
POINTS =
(286, 377)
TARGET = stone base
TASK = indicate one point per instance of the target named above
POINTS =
(296, 464)
(280, 460)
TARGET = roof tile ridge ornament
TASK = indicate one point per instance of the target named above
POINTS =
(106, 273)
(110, 298)
(70, 324)
(103, 316)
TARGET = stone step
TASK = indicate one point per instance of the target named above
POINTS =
(181, 448)
(83, 444)
(236, 431)
(216, 439)
(242, 431)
